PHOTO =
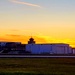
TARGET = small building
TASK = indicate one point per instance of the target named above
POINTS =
(11, 47)
(31, 41)
(73, 50)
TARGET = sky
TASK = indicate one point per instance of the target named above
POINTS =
(47, 21)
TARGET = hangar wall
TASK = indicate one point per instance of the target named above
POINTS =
(49, 48)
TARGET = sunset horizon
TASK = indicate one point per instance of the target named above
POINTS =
(48, 21)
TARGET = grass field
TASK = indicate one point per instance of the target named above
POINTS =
(37, 66)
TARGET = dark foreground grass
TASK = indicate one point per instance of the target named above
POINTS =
(37, 66)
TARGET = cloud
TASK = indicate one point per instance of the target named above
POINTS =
(23, 38)
(3, 39)
(26, 3)
(14, 30)
(12, 35)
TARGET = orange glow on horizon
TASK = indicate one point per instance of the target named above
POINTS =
(39, 39)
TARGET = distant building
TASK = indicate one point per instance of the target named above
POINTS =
(3, 43)
(73, 49)
(54, 48)
(33, 48)
(9, 47)
(31, 41)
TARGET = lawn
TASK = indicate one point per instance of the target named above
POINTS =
(37, 66)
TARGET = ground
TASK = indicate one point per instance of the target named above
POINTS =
(36, 66)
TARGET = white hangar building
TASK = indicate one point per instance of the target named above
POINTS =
(54, 48)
